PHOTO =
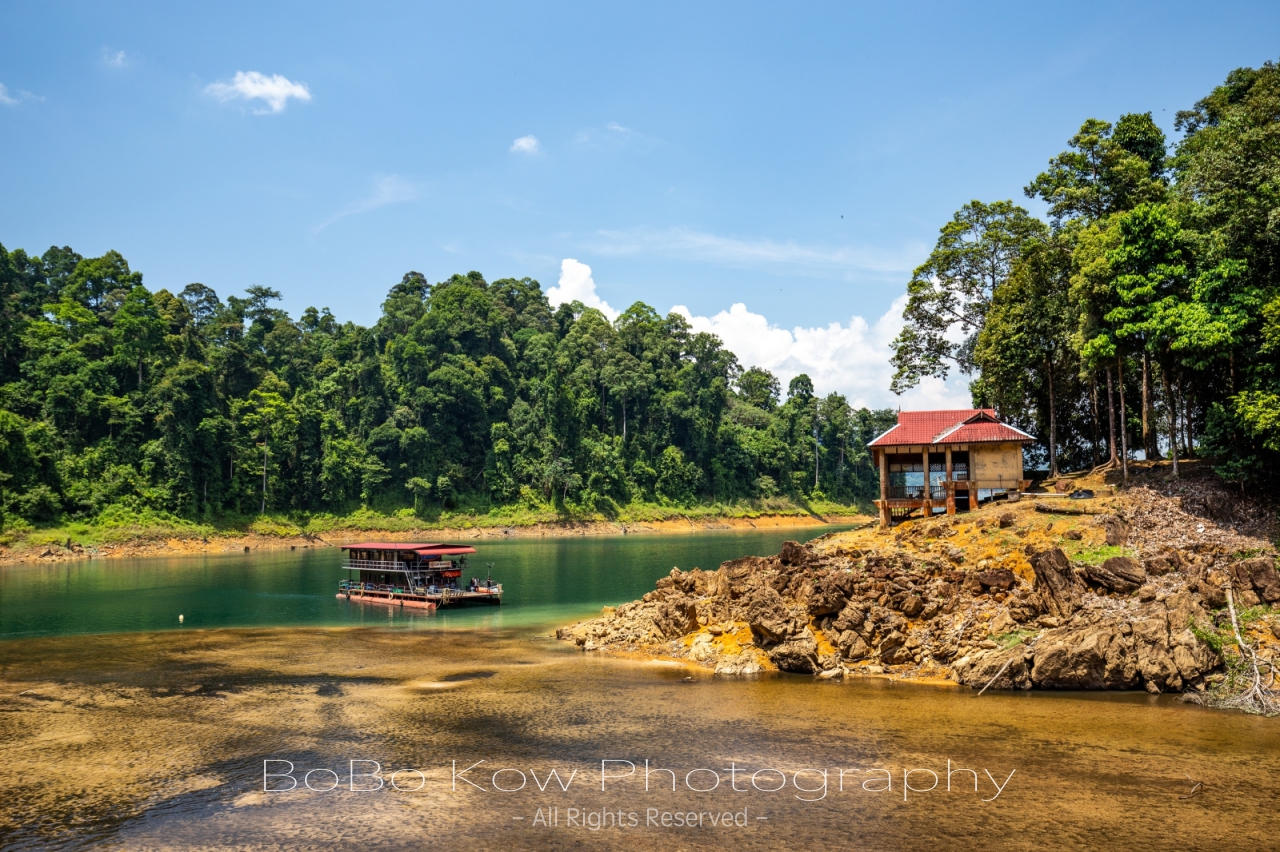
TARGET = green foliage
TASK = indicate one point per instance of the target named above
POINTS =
(1148, 305)
(467, 399)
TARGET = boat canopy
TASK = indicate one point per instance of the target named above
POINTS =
(419, 549)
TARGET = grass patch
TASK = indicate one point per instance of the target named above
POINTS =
(1097, 555)
(1013, 637)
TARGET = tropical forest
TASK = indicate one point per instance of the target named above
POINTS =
(1139, 317)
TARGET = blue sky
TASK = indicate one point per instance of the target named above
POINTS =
(794, 160)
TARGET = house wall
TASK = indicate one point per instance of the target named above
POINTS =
(996, 465)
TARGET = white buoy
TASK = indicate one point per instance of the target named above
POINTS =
(180, 619)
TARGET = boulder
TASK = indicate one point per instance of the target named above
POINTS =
(831, 589)
(1154, 656)
(740, 575)
(769, 617)
(1164, 563)
(1006, 520)
(1258, 574)
(898, 656)
(1001, 579)
(794, 553)
(1085, 656)
(1121, 574)
(978, 670)
(1073, 535)
(798, 654)
(850, 618)
(738, 664)
(912, 606)
(852, 645)
(1060, 589)
(1117, 530)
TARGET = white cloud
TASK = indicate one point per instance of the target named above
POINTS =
(390, 189)
(685, 244)
(576, 283)
(275, 91)
(526, 145)
(9, 98)
(116, 59)
(851, 359)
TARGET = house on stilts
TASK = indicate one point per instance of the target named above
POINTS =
(956, 459)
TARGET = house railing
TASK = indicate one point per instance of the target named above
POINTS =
(916, 492)
(373, 565)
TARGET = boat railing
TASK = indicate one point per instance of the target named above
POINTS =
(373, 565)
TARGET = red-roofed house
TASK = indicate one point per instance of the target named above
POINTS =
(960, 454)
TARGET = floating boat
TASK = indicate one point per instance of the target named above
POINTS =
(418, 576)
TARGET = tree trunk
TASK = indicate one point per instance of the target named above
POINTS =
(624, 418)
(1053, 421)
(264, 478)
(1111, 418)
(1173, 417)
(1093, 398)
(815, 454)
(1124, 424)
(1187, 445)
(1150, 443)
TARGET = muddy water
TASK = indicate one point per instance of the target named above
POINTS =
(157, 741)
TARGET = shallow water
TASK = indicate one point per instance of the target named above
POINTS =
(116, 735)
(545, 581)
(144, 741)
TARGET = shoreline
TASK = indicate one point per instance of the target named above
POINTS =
(244, 543)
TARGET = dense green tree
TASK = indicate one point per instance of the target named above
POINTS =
(949, 294)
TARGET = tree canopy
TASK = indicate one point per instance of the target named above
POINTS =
(464, 393)
(1155, 281)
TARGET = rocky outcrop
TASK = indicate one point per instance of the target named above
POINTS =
(1258, 575)
(1060, 589)
(925, 601)
(1122, 574)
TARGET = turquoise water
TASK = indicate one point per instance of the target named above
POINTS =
(546, 581)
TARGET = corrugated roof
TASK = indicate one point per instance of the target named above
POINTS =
(957, 426)
(444, 550)
(430, 549)
(386, 545)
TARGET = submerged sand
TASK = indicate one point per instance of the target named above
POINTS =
(157, 741)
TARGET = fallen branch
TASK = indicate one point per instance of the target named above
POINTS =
(993, 680)
(1256, 696)
(1063, 510)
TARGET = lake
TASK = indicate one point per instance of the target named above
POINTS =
(546, 581)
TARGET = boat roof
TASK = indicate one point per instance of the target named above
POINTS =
(431, 549)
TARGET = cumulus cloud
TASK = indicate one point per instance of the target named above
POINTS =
(576, 283)
(389, 189)
(275, 91)
(526, 145)
(852, 359)
(686, 244)
(114, 59)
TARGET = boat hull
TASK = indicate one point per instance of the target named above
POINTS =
(424, 602)
(389, 599)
